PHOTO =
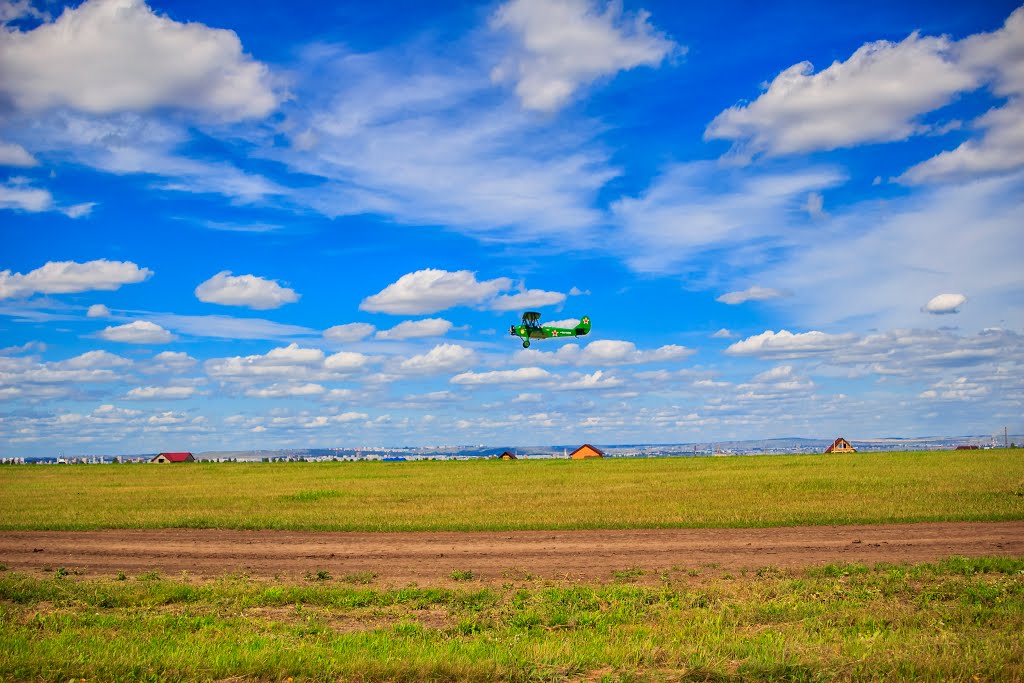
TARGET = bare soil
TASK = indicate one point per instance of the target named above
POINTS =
(430, 558)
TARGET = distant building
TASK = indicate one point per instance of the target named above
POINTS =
(174, 457)
(840, 445)
(507, 455)
(966, 448)
(586, 451)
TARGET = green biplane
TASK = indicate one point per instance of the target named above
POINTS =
(532, 329)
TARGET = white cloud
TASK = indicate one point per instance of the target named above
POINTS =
(64, 277)
(170, 362)
(602, 352)
(876, 95)
(754, 293)
(414, 329)
(21, 197)
(118, 55)
(350, 332)
(723, 334)
(700, 207)
(12, 154)
(290, 362)
(441, 358)
(999, 58)
(286, 391)
(960, 389)
(138, 332)
(229, 327)
(785, 344)
(160, 393)
(431, 290)
(408, 134)
(245, 290)
(567, 44)
(525, 300)
(876, 263)
(346, 361)
(98, 311)
(498, 377)
(944, 304)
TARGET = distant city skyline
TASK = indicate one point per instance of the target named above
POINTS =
(798, 218)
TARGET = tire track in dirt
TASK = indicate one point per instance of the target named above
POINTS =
(430, 557)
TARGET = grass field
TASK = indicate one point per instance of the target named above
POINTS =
(495, 495)
(954, 620)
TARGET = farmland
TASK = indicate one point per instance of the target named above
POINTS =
(710, 569)
(520, 495)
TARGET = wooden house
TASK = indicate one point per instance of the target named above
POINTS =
(507, 455)
(586, 451)
(174, 457)
(840, 445)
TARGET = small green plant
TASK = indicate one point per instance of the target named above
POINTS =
(461, 575)
(359, 577)
(627, 574)
(60, 573)
(121, 576)
(3, 567)
(321, 575)
(152, 575)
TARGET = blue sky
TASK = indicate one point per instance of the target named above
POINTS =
(265, 224)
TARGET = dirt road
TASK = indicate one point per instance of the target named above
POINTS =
(429, 558)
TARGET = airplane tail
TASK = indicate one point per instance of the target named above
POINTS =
(584, 327)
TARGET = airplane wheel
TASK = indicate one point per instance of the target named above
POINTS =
(526, 343)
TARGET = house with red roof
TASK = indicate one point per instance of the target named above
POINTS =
(174, 457)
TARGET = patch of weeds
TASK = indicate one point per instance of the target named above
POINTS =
(728, 577)
(60, 573)
(1019, 491)
(3, 567)
(310, 496)
(121, 576)
(768, 572)
(834, 571)
(321, 575)
(692, 572)
(153, 575)
(461, 575)
(359, 577)
(627, 574)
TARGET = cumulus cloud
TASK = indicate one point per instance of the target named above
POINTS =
(602, 352)
(290, 364)
(98, 311)
(286, 391)
(441, 358)
(959, 389)
(567, 44)
(527, 299)
(138, 332)
(245, 290)
(785, 344)
(944, 304)
(876, 95)
(350, 332)
(12, 154)
(66, 277)
(755, 293)
(499, 377)
(108, 56)
(160, 393)
(229, 327)
(999, 58)
(723, 333)
(414, 329)
(431, 290)
(170, 362)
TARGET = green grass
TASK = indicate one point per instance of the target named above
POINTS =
(491, 495)
(955, 620)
